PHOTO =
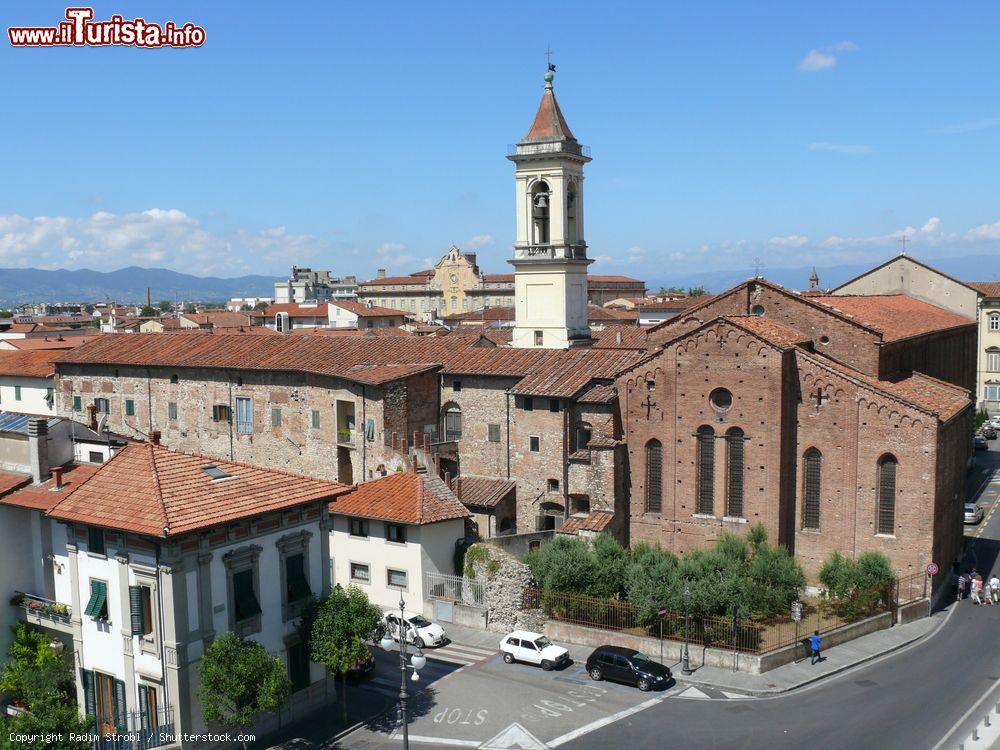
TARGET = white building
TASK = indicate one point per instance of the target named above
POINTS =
(390, 533)
(155, 553)
(306, 284)
(285, 317)
(27, 381)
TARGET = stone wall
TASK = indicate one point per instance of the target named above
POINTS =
(504, 579)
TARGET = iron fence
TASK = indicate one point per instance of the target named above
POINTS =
(911, 588)
(140, 730)
(455, 588)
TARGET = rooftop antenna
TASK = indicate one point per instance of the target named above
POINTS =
(757, 265)
(902, 241)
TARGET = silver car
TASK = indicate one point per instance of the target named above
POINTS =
(973, 513)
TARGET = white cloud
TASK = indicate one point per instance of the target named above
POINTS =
(968, 127)
(479, 240)
(984, 232)
(934, 224)
(853, 149)
(792, 240)
(825, 58)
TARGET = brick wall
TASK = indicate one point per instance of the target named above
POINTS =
(948, 355)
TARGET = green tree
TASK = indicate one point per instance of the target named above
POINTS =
(239, 680)
(35, 670)
(611, 560)
(855, 587)
(565, 564)
(47, 718)
(148, 311)
(245, 307)
(262, 305)
(651, 580)
(982, 417)
(343, 622)
(6, 314)
(165, 305)
(189, 308)
(696, 291)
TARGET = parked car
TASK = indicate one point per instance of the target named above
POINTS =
(995, 422)
(988, 432)
(533, 648)
(980, 443)
(627, 665)
(973, 513)
(419, 630)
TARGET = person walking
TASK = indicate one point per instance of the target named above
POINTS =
(814, 644)
(977, 590)
(961, 586)
(995, 588)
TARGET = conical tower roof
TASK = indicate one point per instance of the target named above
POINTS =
(549, 123)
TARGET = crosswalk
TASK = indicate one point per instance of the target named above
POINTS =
(441, 662)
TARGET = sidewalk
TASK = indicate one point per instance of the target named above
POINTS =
(324, 727)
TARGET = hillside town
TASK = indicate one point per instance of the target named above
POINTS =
(585, 495)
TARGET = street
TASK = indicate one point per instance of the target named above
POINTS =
(914, 698)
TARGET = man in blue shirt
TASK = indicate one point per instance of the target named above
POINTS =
(814, 644)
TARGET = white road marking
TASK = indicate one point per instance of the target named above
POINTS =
(514, 736)
(595, 725)
(737, 696)
(436, 740)
(693, 692)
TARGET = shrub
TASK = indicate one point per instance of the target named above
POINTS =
(855, 588)
(35, 671)
(650, 577)
(611, 560)
(565, 564)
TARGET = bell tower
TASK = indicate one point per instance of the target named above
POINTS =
(550, 253)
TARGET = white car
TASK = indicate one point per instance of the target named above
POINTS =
(533, 648)
(419, 630)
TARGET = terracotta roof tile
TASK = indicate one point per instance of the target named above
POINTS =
(368, 311)
(53, 342)
(897, 316)
(592, 279)
(404, 497)
(28, 364)
(565, 374)
(483, 492)
(219, 318)
(986, 288)
(621, 337)
(10, 480)
(296, 310)
(599, 394)
(149, 489)
(420, 278)
(43, 496)
(776, 333)
(549, 123)
(596, 521)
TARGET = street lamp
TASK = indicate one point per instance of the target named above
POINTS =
(686, 659)
(417, 662)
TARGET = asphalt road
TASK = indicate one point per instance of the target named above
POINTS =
(912, 699)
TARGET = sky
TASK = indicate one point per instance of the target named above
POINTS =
(355, 136)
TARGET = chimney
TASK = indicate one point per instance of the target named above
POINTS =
(57, 475)
(154, 437)
(447, 479)
(618, 337)
(380, 273)
(92, 417)
(38, 449)
(149, 299)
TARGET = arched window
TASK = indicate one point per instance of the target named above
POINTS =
(452, 422)
(995, 322)
(735, 441)
(540, 199)
(993, 359)
(654, 476)
(571, 206)
(812, 465)
(887, 466)
(706, 470)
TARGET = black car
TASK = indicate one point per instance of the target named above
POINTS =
(627, 665)
(989, 433)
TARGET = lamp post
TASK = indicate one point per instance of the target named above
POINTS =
(685, 658)
(417, 662)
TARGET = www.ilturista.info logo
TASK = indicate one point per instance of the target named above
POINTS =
(80, 30)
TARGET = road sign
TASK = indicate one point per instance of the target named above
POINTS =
(796, 611)
(932, 569)
(662, 612)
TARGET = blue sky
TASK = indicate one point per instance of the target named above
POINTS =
(356, 135)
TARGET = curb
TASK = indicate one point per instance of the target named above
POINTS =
(357, 725)
(772, 692)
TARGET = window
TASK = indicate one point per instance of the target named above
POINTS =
(580, 503)
(456, 385)
(95, 541)
(244, 415)
(553, 404)
(101, 406)
(757, 310)
(993, 360)
(534, 444)
(174, 379)
(395, 532)
(172, 410)
(358, 526)
(553, 485)
(296, 583)
(245, 603)
(992, 393)
(315, 419)
(735, 443)
(721, 399)
(77, 403)
(360, 573)
(494, 433)
(395, 578)
(995, 322)
(17, 393)
(812, 466)
(887, 495)
(148, 713)
(706, 471)
(129, 407)
(654, 476)
(97, 605)
(539, 338)
(221, 413)
(583, 435)
(298, 666)
(140, 601)
(275, 416)
(528, 404)
(95, 457)
(452, 423)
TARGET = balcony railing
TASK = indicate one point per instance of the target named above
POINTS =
(549, 147)
(42, 608)
(345, 437)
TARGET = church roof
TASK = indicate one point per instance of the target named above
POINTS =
(895, 316)
(549, 123)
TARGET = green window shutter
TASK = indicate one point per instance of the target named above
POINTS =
(275, 417)
(98, 598)
(17, 393)
(129, 407)
(215, 413)
(121, 708)
(315, 419)
(135, 609)
(172, 410)
(298, 586)
(77, 403)
(244, 596)
(89, 693)
(144, 706)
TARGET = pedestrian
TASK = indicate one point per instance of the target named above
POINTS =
(977, 590)
(995, 588)
(987, 594)
(814, 645)
(961, 586)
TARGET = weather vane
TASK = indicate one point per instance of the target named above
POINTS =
(548, 56)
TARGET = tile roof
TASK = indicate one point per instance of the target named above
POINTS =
(621, 337)
(368, 311)
(565, 374)
(420, 278)
(502, 313)
(11, 480)
(599, 394)
(592, 279)
(44, 496)
(498, 278)
(986, 288)
(219, 318)
(896, 316)
(28, 364)
(149, 489)
(381, 331)
(404, 497)
(770, 330)
(296, 310)
(55, 342)
(549, 123)
(483, 492)
(597, 521)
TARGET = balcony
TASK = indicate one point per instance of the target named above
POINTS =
(345, 423)
(44, 612)
(541, 148)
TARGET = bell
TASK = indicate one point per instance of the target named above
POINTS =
(542, 200)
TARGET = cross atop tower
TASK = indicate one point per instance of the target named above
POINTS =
(757, 265)
(902, 241)
(548, 57)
